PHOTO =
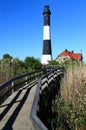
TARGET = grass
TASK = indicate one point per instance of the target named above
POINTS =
(73, 86)
(71, 105)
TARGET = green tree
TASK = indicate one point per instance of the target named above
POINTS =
(32, 63)
(18, 67)
(7, 56)
(10, 67)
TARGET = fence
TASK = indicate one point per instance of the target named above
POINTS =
(11, 85)
(48, 87)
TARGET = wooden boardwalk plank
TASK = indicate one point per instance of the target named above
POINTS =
(15, 111)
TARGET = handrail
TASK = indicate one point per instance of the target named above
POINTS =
(19, 77)
(12, 82)
(33, 115)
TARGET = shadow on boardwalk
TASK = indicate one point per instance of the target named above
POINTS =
(10, 122)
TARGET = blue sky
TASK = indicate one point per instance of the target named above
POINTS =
(21, 27)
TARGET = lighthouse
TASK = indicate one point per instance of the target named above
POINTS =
(47, 51)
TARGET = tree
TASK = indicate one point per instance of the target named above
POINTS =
(7, 56)
(32, 63)
(18, 67)
(11, 67)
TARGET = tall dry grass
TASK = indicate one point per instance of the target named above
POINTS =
(73, 90)
(73, 86)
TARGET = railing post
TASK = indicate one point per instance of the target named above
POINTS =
(26, 79)
(12, 87)
(44, 71)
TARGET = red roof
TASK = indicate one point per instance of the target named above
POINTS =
(72, 55)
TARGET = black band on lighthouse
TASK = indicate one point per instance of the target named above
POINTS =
(47, 47)
(46, 14)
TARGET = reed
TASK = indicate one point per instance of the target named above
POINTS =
(73, 85)
(73, 92)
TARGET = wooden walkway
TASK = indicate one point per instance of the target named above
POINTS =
(15, 111)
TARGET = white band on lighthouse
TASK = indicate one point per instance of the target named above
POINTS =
(46, 35)
(46, 58)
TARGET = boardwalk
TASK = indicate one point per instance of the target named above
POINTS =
(15, 111)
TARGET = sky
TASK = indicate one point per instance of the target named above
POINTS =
(21, 27)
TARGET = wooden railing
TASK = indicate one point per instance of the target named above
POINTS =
(13, 84)
(48, 87)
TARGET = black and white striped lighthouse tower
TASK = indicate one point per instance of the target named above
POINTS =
(47, 51)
